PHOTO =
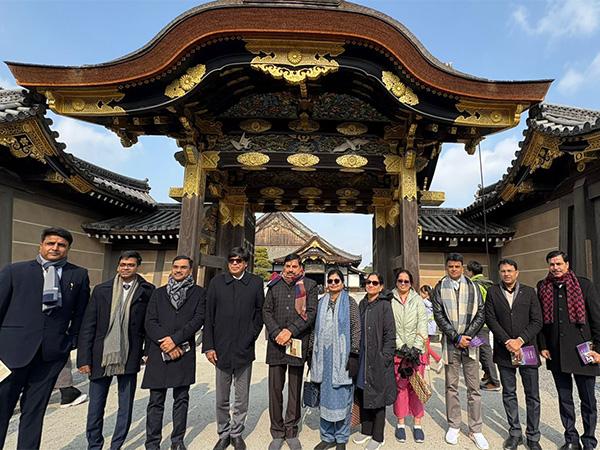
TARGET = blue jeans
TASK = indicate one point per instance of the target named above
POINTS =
(95, 419)
(336, 431)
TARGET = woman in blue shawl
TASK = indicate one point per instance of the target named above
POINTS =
(335, 360)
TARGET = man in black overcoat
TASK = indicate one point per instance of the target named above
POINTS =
(175, 313)
(232, 324)
(571, 316)
(289, 312)
(513, 314)
(42, 303)
(111, 343)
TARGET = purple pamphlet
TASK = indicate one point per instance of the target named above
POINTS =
(476, 342)
(584, 349)
(529, 356)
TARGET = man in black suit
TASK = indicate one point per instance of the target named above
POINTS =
(42, 303)
(571, 316)
(111, 342)
(513, 314)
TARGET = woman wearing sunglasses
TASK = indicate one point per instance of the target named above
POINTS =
(375, 381)
(335, 360)
(410, 317)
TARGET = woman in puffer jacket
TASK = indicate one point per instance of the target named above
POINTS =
(410, 317)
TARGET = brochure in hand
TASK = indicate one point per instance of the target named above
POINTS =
(184, 346)
(527, 356)
(476, 342)
(584, 349)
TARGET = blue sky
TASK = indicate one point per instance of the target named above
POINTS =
(503, 40)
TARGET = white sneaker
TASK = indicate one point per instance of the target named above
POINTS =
(360, 438)
(452, 435)
(374, 445)
(480, 441)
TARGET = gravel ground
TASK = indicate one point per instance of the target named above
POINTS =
(65, 428)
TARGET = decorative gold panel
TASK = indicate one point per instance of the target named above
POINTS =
(294, 61)
(79, 184)
(403, 93)
(253, 160)
(176, 193)
(509, 192)
(408, 183)
(347, 193)
(185, 83)
(303, 161)
(352, 128)
(194, 181)
(26, 139)
(272, 192)
(209, 160)
(310, 192)
(432, 198)
(255, 125)
(304, 124)
(94, 102)
(393, 163)
(54, 177)
(487, 114)
(541, 152)
(352, 162)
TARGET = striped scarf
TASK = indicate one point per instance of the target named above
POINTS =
(51, 294)
(575, 301)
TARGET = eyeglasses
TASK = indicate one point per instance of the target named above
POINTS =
(403, 281)
(334, 281)
(235, 260)
(373, 282)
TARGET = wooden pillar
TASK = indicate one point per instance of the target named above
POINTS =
(582, 259)
(6, 226)
(386, 235)
(409, 219)
(231, 228)
(192, 206)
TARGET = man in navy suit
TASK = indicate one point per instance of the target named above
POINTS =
(42, 303)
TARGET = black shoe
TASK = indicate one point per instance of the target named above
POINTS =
(513, 442)
(238, 443)
(222, 443)
(340, 446)
(71, 396)
(178, 446)
(533, 445)
(325, 445)
(571, 446)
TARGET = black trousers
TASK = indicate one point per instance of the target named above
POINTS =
(589, 414)
(155, 412)
(486, 356)
(372, 421)
(531, 386)
(281, 429)
(34, 383)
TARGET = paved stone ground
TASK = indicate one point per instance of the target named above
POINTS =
(65, 428)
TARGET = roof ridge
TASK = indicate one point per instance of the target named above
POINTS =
(134, 183)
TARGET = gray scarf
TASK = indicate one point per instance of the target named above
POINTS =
(116, 341)
(176, 290)
(51, 294)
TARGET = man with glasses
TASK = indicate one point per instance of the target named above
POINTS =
(289, 312)
(459, 313)
(111, 343)
(233, 321)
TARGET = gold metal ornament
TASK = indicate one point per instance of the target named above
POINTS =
(432, 198)
(403, 93)
(188, 81)
(272, 192)
(209, 160)
(303, 162)
(304, 124)
(393, 164)
(253, 160)
(310, 192)
(347, 193)
(351, 163)
(352, 128)
(89, 102)
(487, 114)
(255, 125)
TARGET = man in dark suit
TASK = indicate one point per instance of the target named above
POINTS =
(513, 314)
(42, 303)
(571, 316)
(233, 322)
(289, 312)
(111, 342)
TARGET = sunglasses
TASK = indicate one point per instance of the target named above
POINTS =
(334, 281)
(403, 281)
(373, 282)
(235, 260)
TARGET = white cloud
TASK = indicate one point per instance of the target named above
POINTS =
(576, 78)
(457, 173)
(561, 18)
(92, 143)
(6, 83)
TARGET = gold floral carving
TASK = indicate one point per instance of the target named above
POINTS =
(79, 184)
(54, 177)
(351, 162)
(86, 102)
(403, 93)
(393, 213)
(303, 161)
(304, 124)
(393, 163)
(26, 139)
(253, 160)
(541, 152)
(284, 208)
(347, 193)
(194, 181)
(185, 83)
(255, 125)
(408, 183)
(310, 192)
(352, 128)
(209, 160)
(232, 209)
(432, 198)
(272, 192)
(294, 61)
(419, 231)
(488, 114)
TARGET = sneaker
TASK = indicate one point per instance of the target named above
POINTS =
(452, 435)
(400, 434)
(294, 443)
(490, 386)
(361, 438)
(480, 441)
(276, 444)
(374, 445)
(71, 396)
(418, 435)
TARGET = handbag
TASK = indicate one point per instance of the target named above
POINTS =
(311, 394)
(420, 386)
